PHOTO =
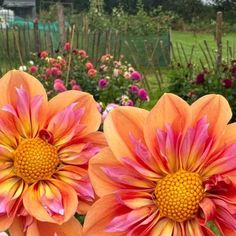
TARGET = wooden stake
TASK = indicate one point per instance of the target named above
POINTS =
(61, 22)
(18, 47)
(219, 32)
(70, 55)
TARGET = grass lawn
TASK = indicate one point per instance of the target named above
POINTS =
(187, 40)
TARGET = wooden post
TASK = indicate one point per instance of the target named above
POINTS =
(219, 32)
(70, 55)
(61, 22)
(36, 36)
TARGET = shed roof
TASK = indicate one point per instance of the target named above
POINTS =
(19, 3)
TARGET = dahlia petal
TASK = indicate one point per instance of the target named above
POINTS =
(11, 190)
(119, 125)
(229, 134)
(148, 174)
(100, 181)
(167, 143)
(77, 178)
(110, 214)
(71, 154)
(35, 114)
(65, 124)
(100, 215)
(80, 150)
(170, 111)
(125, 221)
(164, 227)
(196, 146)
(26, 116)
(226, 214)
(69, 228)
(17, 228)
(224, 230)
(128, 178)
(145, 227)
(19, 79)
(23, 97)
(91, 119)
(135, 200)
(23, 111)
(143, 157)
(6, 169)
(209, 209)
(95, 138)
(217, 110)
(52, 201)
(9, 135)
(193, 227)
(178, 230)
(222, 187)
(222, 163)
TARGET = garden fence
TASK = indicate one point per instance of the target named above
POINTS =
(17, 43)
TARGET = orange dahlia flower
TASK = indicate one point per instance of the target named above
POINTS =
(44, 151)
(168, 172)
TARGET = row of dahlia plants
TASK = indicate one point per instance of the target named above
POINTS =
(111, 82)
(166, 172)
(191, 81)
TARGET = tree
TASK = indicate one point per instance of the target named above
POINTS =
(228, 7)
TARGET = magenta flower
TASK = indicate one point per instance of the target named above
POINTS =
(200, 78)
(59, 73)
(143, 94)
(233, 70)
(130, 103)
(33, 69)
(48, 72)
(54, 71)
(59, 86)
(228, 83)
(58, 81)
(72, 82)
(134, 89)
(76, 87)
(136, 76)
(67, 46)
(102, 83)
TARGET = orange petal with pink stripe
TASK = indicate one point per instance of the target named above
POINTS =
(77, 178)
(80, 150)
(170, 111)
(91, 118)
(11, 190)
(120, 124)
(107, 175)
(55, 201)
(216, 109)
(19, 79)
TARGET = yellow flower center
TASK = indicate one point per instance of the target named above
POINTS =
(178, 195)
(35, 160)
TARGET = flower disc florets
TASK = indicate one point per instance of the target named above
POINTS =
(178, 195)
(35, 160)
